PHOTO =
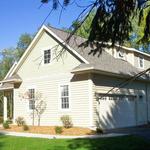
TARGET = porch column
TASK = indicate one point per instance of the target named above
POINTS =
(5, 108)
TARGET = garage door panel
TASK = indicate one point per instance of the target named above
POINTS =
(117, 113)
(141, 112)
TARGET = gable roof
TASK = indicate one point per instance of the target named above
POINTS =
(29, 49)
(10, 70)
(105, 62)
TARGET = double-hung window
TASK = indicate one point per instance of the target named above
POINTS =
(141, 62)
(64, 89)
(31, 99)
(47, 56)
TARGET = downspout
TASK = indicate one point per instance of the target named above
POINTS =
(136, 110)
(147, 104)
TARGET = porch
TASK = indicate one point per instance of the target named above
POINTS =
(7, 87)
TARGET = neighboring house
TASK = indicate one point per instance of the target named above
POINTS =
(78, 84)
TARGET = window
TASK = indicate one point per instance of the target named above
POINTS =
(64, 96)
(47, 56)
(122, 55)
(141, 62)
(117, 97)
(31, 99)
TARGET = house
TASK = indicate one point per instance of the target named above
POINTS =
(94, 90)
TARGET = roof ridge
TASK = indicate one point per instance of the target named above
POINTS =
(66, 32)
(123, 47)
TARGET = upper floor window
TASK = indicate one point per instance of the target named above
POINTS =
(47, 56)
(141, 62)
(122, 55)
(64, 89)
(31, 98)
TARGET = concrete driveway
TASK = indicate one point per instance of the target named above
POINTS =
(143, 131)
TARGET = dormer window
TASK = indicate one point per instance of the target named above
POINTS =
(141, 62)
(47, 56)
(122, 55)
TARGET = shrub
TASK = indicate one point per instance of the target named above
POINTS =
(1, 120)
(20, 121)
(6, 125)
(25, 127)
(58, 130)
(66, 121)
(9, 121)
(99, 130)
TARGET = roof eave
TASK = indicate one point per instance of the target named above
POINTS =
(102, 72)
(81, 71)
(11, 81)
(4, 89)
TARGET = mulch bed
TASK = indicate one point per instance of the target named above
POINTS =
(51, 130)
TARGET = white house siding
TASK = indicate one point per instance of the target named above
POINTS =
(129, 55)
(132, 57)
(146, 60)
(46, 79)
(102, 85)
(148, 99)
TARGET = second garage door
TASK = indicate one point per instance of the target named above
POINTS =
(117, 111)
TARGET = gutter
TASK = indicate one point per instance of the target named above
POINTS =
(92, 70)
(11, 81)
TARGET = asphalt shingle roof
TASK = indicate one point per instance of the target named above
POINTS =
(103, 62)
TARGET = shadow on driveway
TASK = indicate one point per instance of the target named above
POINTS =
(142, 131)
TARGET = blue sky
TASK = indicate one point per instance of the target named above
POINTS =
(24, 16)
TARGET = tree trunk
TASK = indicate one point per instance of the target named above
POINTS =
(39, 119)
(33, 118)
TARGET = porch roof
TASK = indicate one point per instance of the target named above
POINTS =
(6, 86)
(13, 79)
(9, 82)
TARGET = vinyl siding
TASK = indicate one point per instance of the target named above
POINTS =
(102, 84)
(34, 67)
(132, 57)
(146, 61)
(46, 79)
(148, 99)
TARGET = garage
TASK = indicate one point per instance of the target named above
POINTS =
(117, 111)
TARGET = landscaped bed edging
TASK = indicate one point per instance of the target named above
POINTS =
(50, 130)
(22, 134)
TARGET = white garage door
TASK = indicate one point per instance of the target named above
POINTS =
(117, 112)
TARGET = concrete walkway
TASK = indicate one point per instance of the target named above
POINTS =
(21, 134)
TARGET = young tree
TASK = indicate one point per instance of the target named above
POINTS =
(40, 106)
(37, 104)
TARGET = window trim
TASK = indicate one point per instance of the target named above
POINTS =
(44, 56)
(32, 99)
(60, 101)
(30, 87)
(141, 57)
(42, 51)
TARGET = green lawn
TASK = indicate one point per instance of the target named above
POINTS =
(117, 143)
